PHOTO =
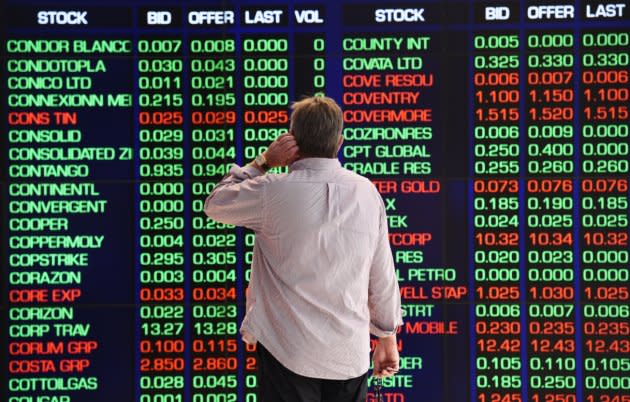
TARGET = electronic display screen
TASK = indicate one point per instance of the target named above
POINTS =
(496, 132)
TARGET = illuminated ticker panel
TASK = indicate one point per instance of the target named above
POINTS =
(497, 134)
(603, 210)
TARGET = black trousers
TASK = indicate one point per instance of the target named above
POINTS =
(276, 383)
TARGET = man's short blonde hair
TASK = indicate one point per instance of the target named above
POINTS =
(316, 123)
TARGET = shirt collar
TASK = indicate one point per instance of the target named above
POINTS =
(315, 164)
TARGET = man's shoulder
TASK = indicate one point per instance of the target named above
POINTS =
(271, 178)
(353, 175)
(361, 185)
(339, 175)
(350, 176)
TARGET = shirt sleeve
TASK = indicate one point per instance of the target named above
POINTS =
(383, 292)
(237, 198)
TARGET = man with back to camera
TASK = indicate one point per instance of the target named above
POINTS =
(322, 274)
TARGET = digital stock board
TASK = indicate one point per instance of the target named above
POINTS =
(496, 132)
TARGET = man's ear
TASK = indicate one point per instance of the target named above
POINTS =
(340, 142)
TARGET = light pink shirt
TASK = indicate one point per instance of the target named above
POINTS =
(322, 274)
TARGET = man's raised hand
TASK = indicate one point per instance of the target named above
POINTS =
(282, 152)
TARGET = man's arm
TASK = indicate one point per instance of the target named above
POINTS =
(237, 199)
(383, 293)
(384, 303)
